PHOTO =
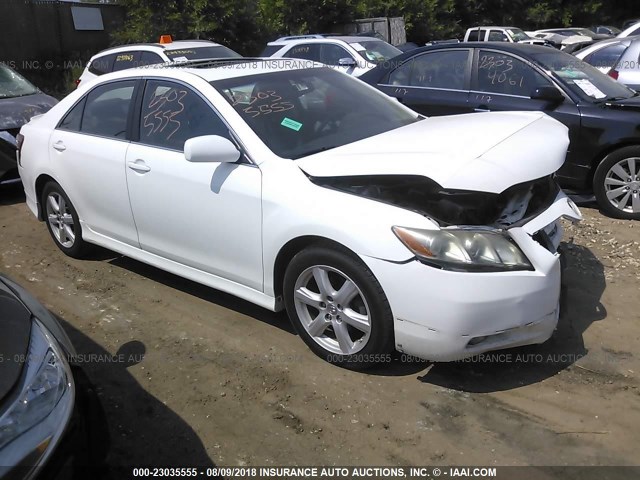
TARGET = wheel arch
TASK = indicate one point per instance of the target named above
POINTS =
(289, 250)
(41, 181)
(602, 154)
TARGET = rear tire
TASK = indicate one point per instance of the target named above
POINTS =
(62, 221)
(616, 183)
(338, 308)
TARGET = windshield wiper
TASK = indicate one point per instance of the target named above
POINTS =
(317, 150)
(615, 99)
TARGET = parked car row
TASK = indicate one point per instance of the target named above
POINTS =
(402, 225)
(603, 116)
(19, 101)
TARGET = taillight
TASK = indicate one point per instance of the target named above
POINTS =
(19, 142)
(78, 83)
(613, 73)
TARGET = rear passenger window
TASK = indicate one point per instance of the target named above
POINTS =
(497, 36)
(149, 58)
(606, 57)
(173, 113)
(476, 35)
(446, 69)
(126, 60)
(308, 51)
(102, 65)
(401, 75)
(331, 54)
(270, 50)
(72, 120)
(107, 109)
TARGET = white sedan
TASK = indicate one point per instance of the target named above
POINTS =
(305, 189)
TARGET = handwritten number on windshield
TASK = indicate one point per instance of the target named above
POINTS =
(267, 102)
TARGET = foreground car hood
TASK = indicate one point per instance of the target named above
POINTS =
(15, 329)
(486, 152)
(15, 112)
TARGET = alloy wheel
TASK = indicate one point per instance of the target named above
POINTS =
(60, 220)
(332, 310)
(622, 185)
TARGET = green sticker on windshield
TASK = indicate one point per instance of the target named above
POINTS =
(292, 124)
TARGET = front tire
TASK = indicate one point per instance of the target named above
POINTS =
(338, 308)
(62, 221)
(616, 184)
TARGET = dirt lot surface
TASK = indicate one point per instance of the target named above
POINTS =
(222, 381)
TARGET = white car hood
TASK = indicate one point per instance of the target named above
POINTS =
(487, 152)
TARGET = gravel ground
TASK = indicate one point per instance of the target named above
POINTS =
(210, 379)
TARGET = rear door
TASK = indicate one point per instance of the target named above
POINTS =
(88, 150)
(433, 83)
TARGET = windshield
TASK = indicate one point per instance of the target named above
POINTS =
(376, 51)
(518, 35)
(582, 78)
(201, 53)
(584, 32)
(13, 84)
(300, 112)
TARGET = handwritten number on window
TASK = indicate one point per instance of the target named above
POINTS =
(163, 112)
(498, 71)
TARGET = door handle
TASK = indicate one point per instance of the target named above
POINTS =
(139, 166)
(59, 146)
(481, 109)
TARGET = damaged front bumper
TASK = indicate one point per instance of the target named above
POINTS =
(445, 315)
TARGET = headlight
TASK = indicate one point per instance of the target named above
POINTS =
(466, 250)
(47, 380)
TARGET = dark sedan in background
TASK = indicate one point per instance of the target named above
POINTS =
(603, 116)
(51, 423)
(19, 101)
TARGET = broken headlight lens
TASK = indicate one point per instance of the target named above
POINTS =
(465, 250)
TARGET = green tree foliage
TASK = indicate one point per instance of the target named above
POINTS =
(246, 25)
(232, 22)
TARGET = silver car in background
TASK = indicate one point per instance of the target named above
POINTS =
(619, 58)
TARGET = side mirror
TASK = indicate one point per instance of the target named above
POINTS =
(210, 148)
(347, 62)
(548, 94)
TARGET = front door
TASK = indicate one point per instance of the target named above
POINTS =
(433, 83)
(204, 215)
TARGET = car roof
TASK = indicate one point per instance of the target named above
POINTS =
(218, 69)
(494, 26)
(521, 48)
(316, 39)
(177, 44)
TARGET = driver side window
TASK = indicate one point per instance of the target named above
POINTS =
(173, 113)
(503, 74)
(331, 54)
